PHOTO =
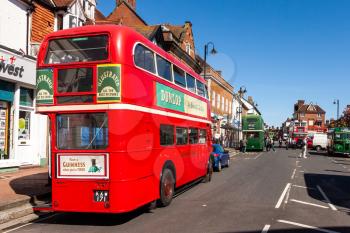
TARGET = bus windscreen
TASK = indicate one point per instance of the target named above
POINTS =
(77, 49)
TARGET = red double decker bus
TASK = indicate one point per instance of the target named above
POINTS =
(129, 122)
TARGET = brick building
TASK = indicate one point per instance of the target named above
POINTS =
(51, 15)
(310, 115)
(175, 39)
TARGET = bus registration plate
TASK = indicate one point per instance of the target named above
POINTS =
(101, 196)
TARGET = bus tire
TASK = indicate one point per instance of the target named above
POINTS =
(208, 176)
(167, 188)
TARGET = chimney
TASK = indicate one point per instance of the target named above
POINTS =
(219, 72)
(298, 105)
(131, 3)
(250, 99)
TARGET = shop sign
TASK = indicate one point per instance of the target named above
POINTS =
(17, 68)
(170, 98)
(44, 86)
(84, 166)
(109, 83)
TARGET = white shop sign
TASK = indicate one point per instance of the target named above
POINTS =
(83, 166)
(17, 68)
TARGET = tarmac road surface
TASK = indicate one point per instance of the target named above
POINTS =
(259, 192)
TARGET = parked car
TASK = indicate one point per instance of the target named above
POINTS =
(221, 157)
(320, 141)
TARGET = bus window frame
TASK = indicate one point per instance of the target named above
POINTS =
(108, 60)
(93, 93)
(172, 70)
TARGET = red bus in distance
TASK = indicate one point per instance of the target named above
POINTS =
(129, 122)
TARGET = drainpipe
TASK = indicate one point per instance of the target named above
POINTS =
(29, 11)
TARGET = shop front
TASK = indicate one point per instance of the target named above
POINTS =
(23, 139)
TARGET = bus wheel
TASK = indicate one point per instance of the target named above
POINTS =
(207, 177)
(167, 188)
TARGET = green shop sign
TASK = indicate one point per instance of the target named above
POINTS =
(108, 83)
(44, 86)
(170, 98)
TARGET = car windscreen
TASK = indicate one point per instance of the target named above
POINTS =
(77, 49)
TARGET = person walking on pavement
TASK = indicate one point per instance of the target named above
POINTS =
(303, 148)
(244, 145)
(272, 143)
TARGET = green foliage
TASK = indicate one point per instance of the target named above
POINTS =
(344, 120)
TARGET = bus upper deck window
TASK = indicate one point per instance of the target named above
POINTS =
(164, 68)
(200, 88)
(144, 58)
(179, 76)
(77, 49)
(191, 83)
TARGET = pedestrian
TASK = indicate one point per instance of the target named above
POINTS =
(244, 145)
(303, 148)
(272, 143)
(241, 145)
(280, 142)
(288, 143)
(268, 145)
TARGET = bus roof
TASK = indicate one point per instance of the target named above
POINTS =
(117, 30)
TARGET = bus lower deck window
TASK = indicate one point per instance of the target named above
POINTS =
(193, 135)
(166, 135)
(181, 136)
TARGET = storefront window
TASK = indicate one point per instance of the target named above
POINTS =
(26, 97)
(4, 153)
(24, 125)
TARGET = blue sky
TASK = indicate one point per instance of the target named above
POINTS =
(280, 50)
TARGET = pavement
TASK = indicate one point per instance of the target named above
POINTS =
(20, 191)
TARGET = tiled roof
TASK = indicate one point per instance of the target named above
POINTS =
(177, 31)
(305, 109)
(63, 3)
(147, 31)
(99, 16)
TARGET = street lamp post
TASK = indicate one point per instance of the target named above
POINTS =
(241, 92)
(213, 51)
(337, 103)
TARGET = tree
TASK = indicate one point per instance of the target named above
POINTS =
(344, 120)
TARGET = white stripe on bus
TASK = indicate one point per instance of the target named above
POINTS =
(116, 107)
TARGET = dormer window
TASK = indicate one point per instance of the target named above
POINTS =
(188, 48)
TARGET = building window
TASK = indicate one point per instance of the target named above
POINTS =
(188, 48)
(26, 97)
(164, 68)
(213, 98)
(24, 125)
(218, 101)
(302, 114)
(319, 115)
(181, 136)
(144, 58)
(226, 105)
(59, 22)
(222, 103)
(166, 135)
(72, 21)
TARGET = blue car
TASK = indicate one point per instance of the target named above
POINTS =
(221, 157)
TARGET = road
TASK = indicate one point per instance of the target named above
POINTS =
(259, 192)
